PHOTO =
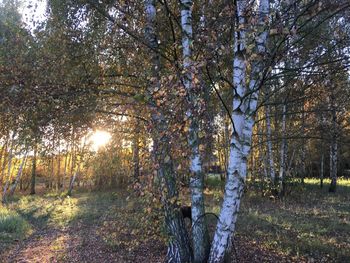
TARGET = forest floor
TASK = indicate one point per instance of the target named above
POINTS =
(310, 225)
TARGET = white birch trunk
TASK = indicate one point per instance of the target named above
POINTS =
(5, 156)
(283, 152)
(8, 179)
(71, 183)
(241, 138)
(3, 159)
(262, 158)
(303, 146)
(333, 158)
(290, 163)
(65, 166)
(333, 165)
(19, 174)
(58, 182)
(135, 151)
(270, 156)
(322, 170)
(199, 231)
(34, 164)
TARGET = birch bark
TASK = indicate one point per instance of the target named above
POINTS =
(19, 174)
(200, 239)
(4, 157)
(32, 183)
(322, 170)
(136, 150)
(58, 178)
(178, 247)
(270, 156)
(243, 116)
(333, 153)
(8, 178)
(71, 183)
(283, 151)
(303, 146)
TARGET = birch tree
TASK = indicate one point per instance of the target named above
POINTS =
(178, 247)
(270, 155)
(283, 151)
(19, 174)
(9, 167)
(333, 152)
(244, 106)
(199, 229)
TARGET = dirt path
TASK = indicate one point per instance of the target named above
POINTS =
(81, 243)
(42, 246)
(103, 227)
(78, 243)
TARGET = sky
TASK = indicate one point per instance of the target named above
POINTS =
(33, 11)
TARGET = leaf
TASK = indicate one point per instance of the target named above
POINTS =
(167, 159)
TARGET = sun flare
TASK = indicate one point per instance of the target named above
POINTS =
(99, 138)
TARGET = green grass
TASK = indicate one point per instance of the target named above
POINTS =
(118, 220)
(308, 223)
(59, 210)
(12, 227)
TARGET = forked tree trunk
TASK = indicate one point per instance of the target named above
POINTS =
(200, 238)
(243, 117)
(179, 246)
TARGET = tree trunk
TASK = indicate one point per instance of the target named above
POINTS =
(322, 170)
(333, 166)
(262, 170)
(74, 176)
(303, 146)
(283, 152)
(243, 118)
(52, 172)
(32, 182)
(19, 174)
(136, 150)
(200, 238)
(333, 154)
(58, 175)
(71, 183)
(5, 156)
(65, 167)
(270, 156)
(8, 179)
(226, 143)
(179, 246)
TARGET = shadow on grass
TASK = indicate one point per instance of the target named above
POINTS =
(310, 223)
